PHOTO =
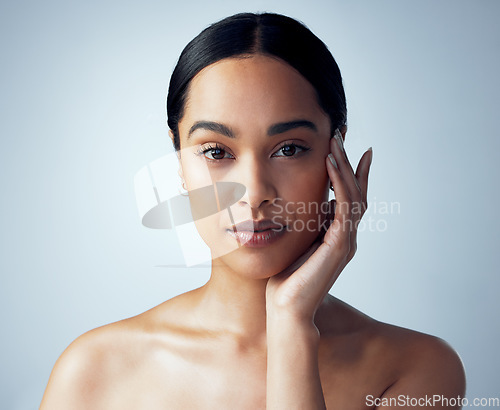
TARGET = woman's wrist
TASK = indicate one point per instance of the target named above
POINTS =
(284, 325)
(293, 379)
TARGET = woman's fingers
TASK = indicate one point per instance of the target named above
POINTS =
(329, 216)
(337, 148)
(351, 195)
(342, 197)
(362, 172)
(357, 184)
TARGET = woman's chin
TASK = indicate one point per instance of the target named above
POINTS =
(258, 259)
(255, 268)
(257, 264)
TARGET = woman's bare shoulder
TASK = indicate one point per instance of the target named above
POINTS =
(86, 365)
(340, 319)
(107, 355)
(409, 362)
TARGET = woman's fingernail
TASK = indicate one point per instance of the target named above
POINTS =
(338, 137)
(371, 154)
(332, 160)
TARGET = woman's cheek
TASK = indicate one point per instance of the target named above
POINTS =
(306, 202)
(307, 184)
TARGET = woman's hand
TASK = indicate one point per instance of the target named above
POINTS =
(298, 291)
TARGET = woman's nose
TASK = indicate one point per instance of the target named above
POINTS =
(258, 181)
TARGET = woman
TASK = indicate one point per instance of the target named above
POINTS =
(257, 100)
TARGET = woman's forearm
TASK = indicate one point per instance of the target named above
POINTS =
(293, 380)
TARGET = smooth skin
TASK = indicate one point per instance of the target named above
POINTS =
(263, 332)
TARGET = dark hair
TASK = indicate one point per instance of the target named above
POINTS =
(268, 34)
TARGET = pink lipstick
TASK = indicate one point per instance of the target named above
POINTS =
(257, 234)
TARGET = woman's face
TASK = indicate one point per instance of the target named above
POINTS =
(257, 122)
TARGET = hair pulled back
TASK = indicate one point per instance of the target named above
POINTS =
(269, 34)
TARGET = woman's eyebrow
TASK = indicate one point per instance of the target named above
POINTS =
(290, 125)
(212, 126)
(274, 129)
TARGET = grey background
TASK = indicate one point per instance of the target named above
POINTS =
(83, 88)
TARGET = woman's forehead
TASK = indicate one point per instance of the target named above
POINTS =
(256, 88)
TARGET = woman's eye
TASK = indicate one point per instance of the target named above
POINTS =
(216, 153)
(289, 150)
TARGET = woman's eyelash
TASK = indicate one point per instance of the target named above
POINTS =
(292, 146)
(205, 149)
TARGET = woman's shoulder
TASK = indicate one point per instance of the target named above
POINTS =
(109, 355)
(86, 366)
(133, 336)
(424, 365)
(339, 319)
(404, 360)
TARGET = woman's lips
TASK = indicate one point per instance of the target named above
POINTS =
(257, 234)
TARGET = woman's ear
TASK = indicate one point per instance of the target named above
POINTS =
(343, 131)
(171, 135)
(181, 174)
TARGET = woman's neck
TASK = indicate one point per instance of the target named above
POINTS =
(234, 305)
